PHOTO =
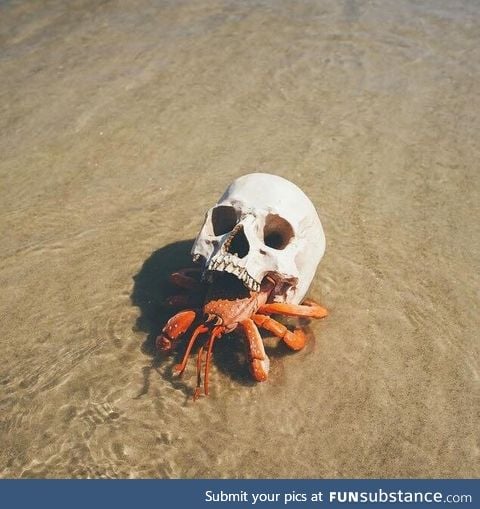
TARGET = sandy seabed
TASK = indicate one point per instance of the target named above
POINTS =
(121, 122)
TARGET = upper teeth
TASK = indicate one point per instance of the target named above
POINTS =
(229, 263)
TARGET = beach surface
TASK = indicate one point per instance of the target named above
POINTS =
(122, 122)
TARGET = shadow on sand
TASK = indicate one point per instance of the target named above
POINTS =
(151, 288)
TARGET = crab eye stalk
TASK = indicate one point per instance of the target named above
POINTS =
(224, 219)
(277, 232)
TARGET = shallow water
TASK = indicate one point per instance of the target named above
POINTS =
(122, 122)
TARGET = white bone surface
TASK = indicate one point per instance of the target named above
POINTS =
(254, 197)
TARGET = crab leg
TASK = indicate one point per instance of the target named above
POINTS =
(217, 331)
(215, 334)
(295, 340)
(308, 308)
(180, 368)
(175, 327)
(259, 362)
(182, 279)
(184, 301)
(196, 394)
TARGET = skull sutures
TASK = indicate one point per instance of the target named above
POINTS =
(263, 225)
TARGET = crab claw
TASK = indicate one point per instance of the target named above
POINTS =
(259, 369)
(174, 328)
(163, 344)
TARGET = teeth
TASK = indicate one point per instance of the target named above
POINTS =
(225, 262)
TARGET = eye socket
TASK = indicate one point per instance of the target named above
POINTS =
(224, 219)
(278, 232)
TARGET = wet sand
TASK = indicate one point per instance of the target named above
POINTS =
(122, 122)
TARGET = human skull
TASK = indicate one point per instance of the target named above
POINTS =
(263, 225)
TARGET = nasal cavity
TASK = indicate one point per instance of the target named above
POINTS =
(238, 243)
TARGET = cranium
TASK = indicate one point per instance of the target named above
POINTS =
(263, 225)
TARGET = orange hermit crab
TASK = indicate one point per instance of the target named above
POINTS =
(259, 248)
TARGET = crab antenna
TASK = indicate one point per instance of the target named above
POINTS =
(180, 368)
